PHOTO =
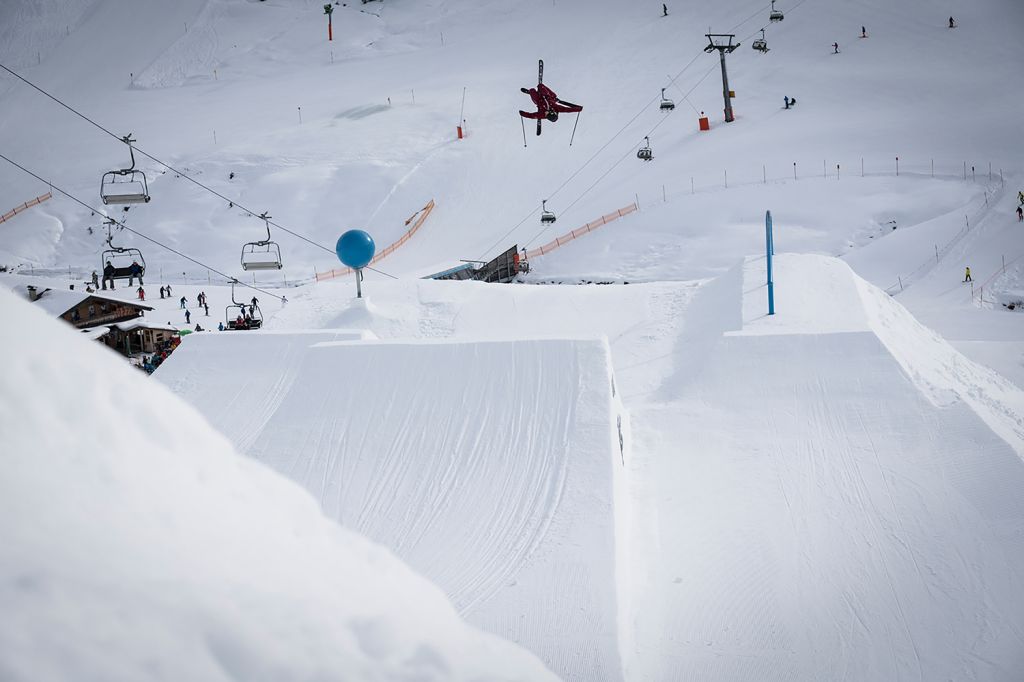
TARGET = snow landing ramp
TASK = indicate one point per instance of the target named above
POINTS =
(488, 467)
(835, 493)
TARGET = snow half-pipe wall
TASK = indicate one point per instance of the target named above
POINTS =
(489, 467)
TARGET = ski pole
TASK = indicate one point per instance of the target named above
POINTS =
(524, 130)
(574, 128)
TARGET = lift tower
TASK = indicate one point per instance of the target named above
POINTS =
(723, 43)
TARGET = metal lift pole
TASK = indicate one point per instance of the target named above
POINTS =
(725, 89)
(724, 44)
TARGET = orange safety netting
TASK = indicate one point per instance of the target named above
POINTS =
(27, 205)
(580, 231)
(423, 213)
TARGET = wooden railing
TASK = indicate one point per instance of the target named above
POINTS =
(423, 213)
(580, 231)
(24, 207)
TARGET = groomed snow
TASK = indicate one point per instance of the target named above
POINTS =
(830, 493)
(487, 466)
(136, 544)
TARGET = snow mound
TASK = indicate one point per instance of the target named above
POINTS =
(820, 514)
(821, 295)
(135, 544)
(489, 467)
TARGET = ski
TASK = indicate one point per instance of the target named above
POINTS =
(540, 79)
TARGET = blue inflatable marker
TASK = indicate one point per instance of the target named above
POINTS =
(355, 249)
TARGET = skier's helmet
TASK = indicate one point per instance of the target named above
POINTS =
(552, 116)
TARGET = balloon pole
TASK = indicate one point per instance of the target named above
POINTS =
(359, 285)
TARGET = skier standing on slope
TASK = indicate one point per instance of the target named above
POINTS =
(1020, 214)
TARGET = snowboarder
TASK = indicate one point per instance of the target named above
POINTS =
(284, 299)
(134, 270)
(664, 10)
(199, 327)
(1020, 197)
(168, 291)
(967, 275)
(1020, 214)
(863, 32)
(547, 102)
(786, 100)
(206, 308)
(835, 48)
(952, 24)
(108, 273)
(188, 316)
(162, 292)
(182, 302)
(95, 281)
(142, 293)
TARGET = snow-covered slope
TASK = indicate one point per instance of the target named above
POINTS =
(828, 493)
(486, 466)
(136, 544)
(826, 501)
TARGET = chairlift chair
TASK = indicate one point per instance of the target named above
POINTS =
(127, 185)
(775, 15)
(546, 216)
(645, 153)
(250, 320)
(760, 44)
(263, 254)
(121, 258)
(666, 103)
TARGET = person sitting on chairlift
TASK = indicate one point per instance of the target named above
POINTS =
(108, 273)
(135, 270)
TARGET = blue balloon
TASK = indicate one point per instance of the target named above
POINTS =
(355, 249)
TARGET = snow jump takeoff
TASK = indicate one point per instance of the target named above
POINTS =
(547, 102)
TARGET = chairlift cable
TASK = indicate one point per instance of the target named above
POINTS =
(122, 225)
(120, 138)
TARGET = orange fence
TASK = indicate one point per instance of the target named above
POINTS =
(27, 205)
(580, 231)
(423, 213)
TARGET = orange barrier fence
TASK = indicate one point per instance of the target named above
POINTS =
(580, 231)
(27, 205)
(423, 213)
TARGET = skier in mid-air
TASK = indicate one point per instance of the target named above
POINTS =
(547, 102)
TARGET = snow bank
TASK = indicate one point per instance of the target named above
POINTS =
(134, 544)
(487, 466)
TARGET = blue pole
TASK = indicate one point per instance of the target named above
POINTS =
(769, 248)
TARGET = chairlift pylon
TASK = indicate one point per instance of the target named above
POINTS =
(775, 15)
(645, 153)
(760, 44)
(666, 103)
(127, 185)
(121, 259)
(264, 254)
(249, 314)
(546, 216)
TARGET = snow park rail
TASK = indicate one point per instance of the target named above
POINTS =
(558, 242)
(24, 207)
(423, 213)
